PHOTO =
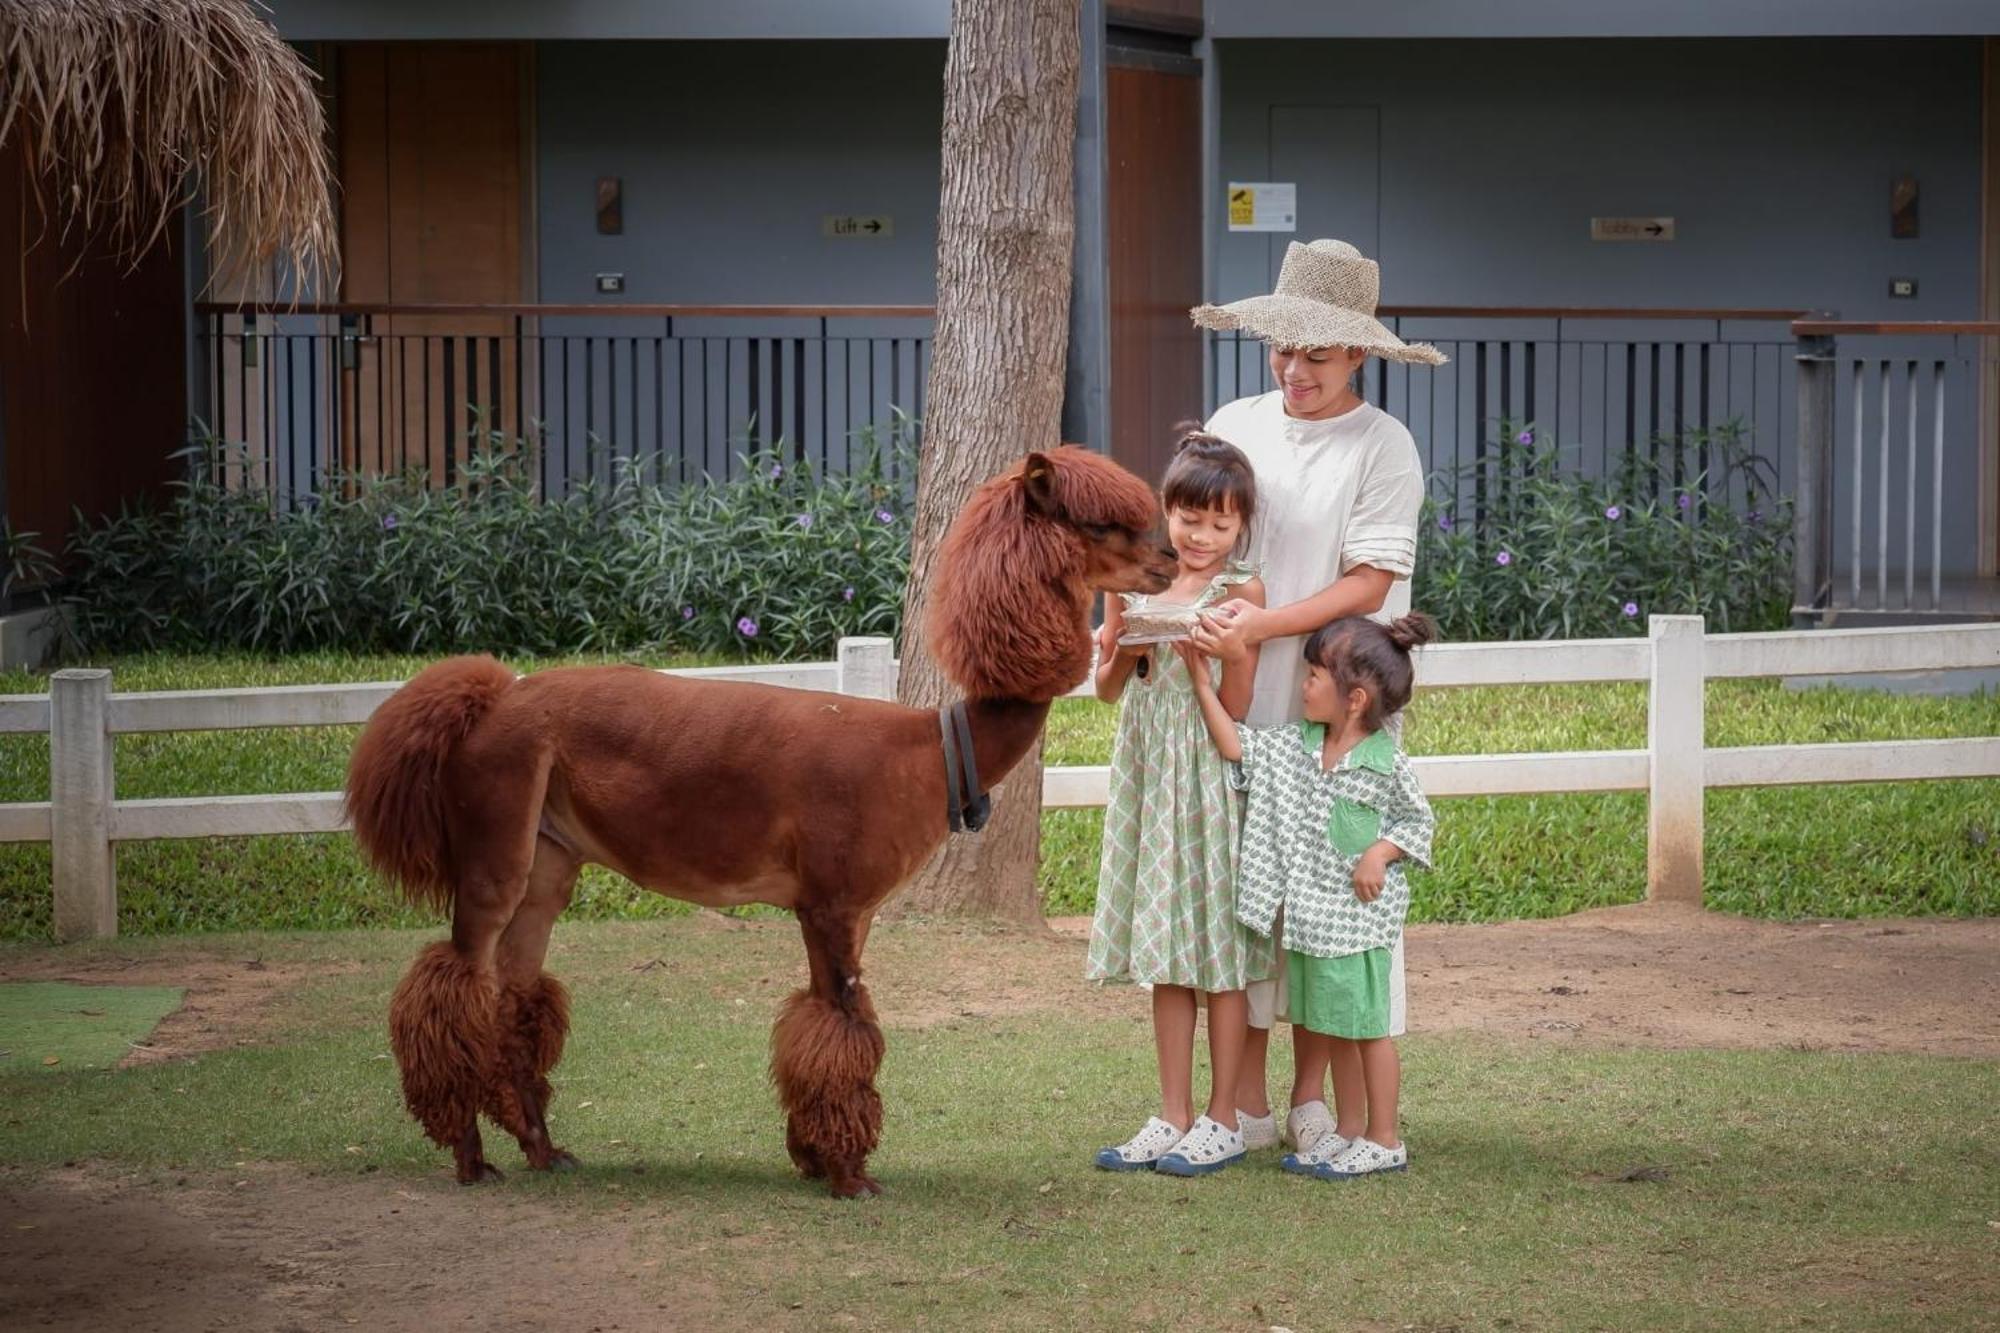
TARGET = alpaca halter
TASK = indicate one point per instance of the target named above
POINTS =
(967, 806)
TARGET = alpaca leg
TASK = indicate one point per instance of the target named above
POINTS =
(825, 1050)
(441, 1029)
(534, 1012)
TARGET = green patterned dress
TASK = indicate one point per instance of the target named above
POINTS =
(1166, 883)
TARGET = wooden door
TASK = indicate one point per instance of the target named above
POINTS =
(93, 363)
(433, 172)
(1153, 220)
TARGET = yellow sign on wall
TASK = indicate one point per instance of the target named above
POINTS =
(1263, 206)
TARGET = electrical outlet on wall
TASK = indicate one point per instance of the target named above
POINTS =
(610, 284)
(1903, 288)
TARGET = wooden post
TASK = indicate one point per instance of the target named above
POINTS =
(868, 668)
(80, 788)
(1674, 743)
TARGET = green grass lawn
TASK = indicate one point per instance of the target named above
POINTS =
(1871, 850)
(1789, 1189)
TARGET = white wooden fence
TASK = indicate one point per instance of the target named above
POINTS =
(84, 818)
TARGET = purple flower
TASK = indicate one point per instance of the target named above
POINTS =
(805, 520)
(1631, 609)
(884, 516)
(1684, 500)
(777, 471)
(1613, 512)
(1444, 522)
(746, 627)
(389, 522)
(1504, 559)
(687, 613)
(1525, 437)
(1755, 516)
(847, 594)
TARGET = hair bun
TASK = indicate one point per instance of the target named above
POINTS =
(1412, 631)
(1190, 435)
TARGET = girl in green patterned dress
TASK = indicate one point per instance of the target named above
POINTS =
(1166, 885)
(1335, 810)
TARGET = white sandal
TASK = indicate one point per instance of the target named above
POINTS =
(1207, 1147)
(1306, 1124)
(1153, 1141)
(1259, 1131)
(1364, 1157)
(1326, 1146)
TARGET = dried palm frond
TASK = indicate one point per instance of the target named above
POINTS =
(129, 108)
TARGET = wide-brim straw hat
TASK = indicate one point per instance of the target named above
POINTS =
(1325, 298)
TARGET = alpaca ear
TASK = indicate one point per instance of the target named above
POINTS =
(1038, 480)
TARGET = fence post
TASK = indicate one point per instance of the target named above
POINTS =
(868, 667)
(1812, 553)
(1674, 741)
(80, 788)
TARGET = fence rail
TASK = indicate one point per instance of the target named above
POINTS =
(84, 819)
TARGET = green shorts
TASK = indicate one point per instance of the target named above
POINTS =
(1339, 997)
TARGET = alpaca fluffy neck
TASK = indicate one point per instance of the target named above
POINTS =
(1003, 731)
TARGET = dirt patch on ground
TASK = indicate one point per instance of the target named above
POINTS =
(1620, 976)
(229, 1001)
(1665, 977)
(275, 1248)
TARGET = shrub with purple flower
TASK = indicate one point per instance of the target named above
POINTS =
(746, 627)
(1554, 550)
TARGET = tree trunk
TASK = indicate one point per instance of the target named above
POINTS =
(1006, 225)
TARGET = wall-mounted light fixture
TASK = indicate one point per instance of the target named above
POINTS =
(610, 206)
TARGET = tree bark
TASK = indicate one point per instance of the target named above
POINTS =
(1006, 227)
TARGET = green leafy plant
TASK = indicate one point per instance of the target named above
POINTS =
(1524, 547)
(25, 568)
(779, 561)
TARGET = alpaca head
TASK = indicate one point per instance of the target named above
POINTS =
(1009, 609)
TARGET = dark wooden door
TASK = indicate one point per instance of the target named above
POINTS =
(93, 364)
(1153, 220)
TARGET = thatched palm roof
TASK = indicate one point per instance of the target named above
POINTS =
(126, 106)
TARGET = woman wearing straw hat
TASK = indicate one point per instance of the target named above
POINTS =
(1339, 484)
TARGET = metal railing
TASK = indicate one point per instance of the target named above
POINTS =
(1888, 468)
(1607, 386)
(678, 392)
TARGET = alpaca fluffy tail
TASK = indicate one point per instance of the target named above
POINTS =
(395, 781)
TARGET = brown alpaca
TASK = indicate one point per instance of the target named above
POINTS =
(485, 794)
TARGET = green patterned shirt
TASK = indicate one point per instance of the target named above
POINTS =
(1306, 827)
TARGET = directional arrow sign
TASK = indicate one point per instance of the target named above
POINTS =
(865, 226)
(1631, 229)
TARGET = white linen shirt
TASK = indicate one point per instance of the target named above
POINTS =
(1331, 495)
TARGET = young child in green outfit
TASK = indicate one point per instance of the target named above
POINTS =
(1334, 812)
